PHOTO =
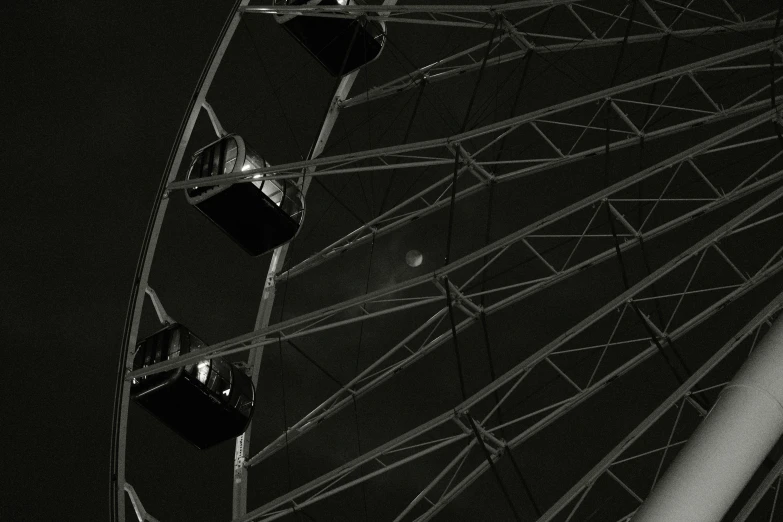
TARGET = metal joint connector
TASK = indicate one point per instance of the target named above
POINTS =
(459, 300)
(495, 445)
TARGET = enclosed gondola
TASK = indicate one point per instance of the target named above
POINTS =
(206, 402)
(341, 45)
(258, 215)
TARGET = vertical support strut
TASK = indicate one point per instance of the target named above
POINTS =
(242, 448)
(729, 445)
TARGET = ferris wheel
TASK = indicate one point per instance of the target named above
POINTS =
(526, 270)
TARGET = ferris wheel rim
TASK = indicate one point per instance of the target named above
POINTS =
(155, 221)
(117, 488)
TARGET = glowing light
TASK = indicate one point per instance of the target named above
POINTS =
(246, 167)
(226, 391)
(414, 258)
(202, 371)
(257, 176)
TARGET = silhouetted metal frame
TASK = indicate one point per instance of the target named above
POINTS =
(340, 399)
(681, 392)
(394, 218)
(255, 357)
(715, 141)
(138, 507)
(326, 485)
(259, 338)
(118, 441)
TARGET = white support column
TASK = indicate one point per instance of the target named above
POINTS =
(712, 469)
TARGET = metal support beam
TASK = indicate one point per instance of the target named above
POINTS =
(219, 130)
(356, 9)
(253, 339)
(613, 457)
(138, 507)
(315, 490)
(441, 71)
(163, 317)
(774, 475)
(331, 165)
(242, 446)
(712, 469)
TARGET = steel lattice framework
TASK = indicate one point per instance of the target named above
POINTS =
(693, 203)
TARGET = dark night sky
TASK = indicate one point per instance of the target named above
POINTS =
(92, 95)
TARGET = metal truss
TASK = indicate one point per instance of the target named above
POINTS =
(544, 124)
(596, 22)
(456, 432)
(255, 357)
(771, 484)
(576, 262)
(467, 61)
(390, 300)
(381, 370)
(396, 12)
(483, 16)
(691, 183)
(626, 452)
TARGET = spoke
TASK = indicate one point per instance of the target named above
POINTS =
(434, 73)
(771, 477)
(532, 363)
(608, 343)
(650, 452)
(685, 291)
(270, 334)
(611, 458)
(726, 102)
(668, 445)
(293, 170)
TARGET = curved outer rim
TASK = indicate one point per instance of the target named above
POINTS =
(133, 315)
(147, 253)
